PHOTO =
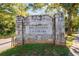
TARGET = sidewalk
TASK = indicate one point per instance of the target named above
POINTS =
(5, 44)
(75, 47)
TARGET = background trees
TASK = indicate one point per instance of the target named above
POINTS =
(71, 9)
(8, 13)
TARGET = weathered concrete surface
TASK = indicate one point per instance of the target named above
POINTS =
(30, 41)
(5, 44)
(41, 27)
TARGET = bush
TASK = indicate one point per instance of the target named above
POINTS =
(69, 40)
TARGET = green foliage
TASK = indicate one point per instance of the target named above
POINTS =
(75, 23)
(38, 5)
(38, 50)
(7, 23)
(8, 13)
(69, 41)
(71, 9)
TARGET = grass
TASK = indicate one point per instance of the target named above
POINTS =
(37, 50)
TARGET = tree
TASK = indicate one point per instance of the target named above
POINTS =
(71, 11)
(21, 9)
(8, 13)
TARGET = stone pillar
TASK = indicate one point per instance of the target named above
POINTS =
(60, 29)
(19, 33)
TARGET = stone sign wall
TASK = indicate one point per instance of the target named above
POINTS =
(59, 29)
(40, 29)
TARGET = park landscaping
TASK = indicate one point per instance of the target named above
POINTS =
(8, 14)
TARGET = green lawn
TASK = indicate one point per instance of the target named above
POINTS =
(37, 50)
